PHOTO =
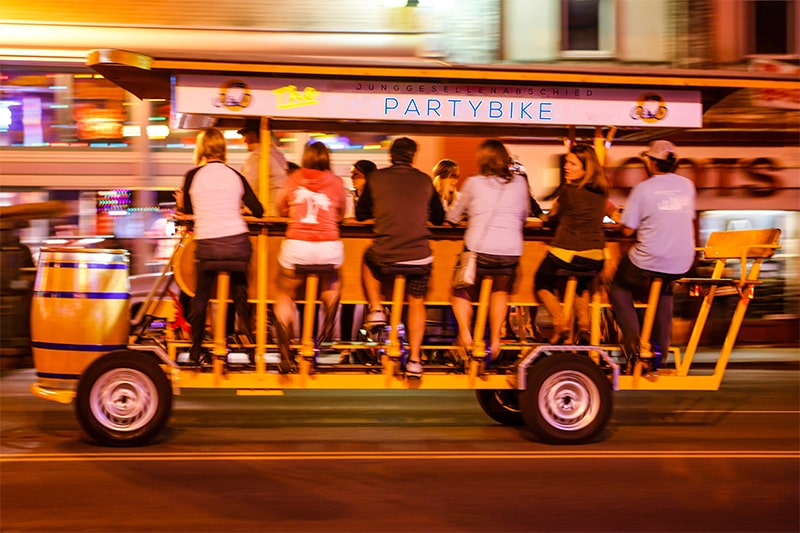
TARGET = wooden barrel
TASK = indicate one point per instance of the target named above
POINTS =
(79, 311)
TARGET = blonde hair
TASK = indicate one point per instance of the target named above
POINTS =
(446, 168)
(210, 146)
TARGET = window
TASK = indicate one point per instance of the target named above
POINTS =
(587, 28)
(582, 20)
(773, 26)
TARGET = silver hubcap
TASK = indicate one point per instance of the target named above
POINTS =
(123, 400)
(569, 400)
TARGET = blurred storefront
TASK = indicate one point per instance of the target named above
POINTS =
(68, 134)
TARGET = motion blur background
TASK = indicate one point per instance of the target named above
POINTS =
(67, 134)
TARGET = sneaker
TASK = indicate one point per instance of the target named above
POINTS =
(375, 319)
(413, 370)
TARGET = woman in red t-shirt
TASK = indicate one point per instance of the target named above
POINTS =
(313, 198)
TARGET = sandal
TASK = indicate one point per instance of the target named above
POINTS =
(413, 370)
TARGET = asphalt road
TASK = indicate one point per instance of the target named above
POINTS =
(410, 461)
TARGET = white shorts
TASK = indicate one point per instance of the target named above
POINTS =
(294, 252)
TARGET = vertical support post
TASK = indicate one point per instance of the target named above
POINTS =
(220, 319)
(265, 135)
(595, 334)
(700, 322)
(261, 299)
(398, 297)
(309, 313)
(478, 342)
(599, 144)
(646, 347)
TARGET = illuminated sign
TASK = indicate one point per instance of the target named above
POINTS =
(426, 102)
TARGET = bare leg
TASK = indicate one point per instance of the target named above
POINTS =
(284, 310)
(372, 288)
(498, 305)
(553, 306)
(582, 310)
(416, 326)
(330, 301)
(582, 317)
(462, 310)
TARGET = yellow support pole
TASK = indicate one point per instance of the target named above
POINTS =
(265, 136)
(261, 300)
(220, 319)
(398, 297)
(600, 144)
(646, 347)
(309, 312)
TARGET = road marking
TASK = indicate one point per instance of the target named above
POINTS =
(726, 411)
(394, 456)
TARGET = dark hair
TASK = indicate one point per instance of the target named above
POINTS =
(493, 159)
(666, 165)
(403, 151)
(365, 166)
(316, 156)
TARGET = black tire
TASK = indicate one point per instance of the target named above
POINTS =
(502, 405)
(124, 399)
(568, 399)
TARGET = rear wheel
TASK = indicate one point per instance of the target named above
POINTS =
(123, 399)
(502, 405)
(568, 399)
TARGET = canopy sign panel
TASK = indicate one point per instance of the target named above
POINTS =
(405, 101)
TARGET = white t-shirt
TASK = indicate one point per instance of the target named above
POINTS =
(277, 175)
(662, 210)
(216, 193)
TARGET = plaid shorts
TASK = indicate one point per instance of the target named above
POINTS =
(416, 284)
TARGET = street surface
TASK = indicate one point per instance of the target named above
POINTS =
(411, 461)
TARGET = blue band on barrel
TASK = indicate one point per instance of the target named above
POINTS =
(50, 375)
(82, 295)
(78, 347)
(104, 266)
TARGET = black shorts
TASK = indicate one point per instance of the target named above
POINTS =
(553, 272)
(416, 284)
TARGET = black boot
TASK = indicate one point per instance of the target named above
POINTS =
(287, 364)
(631, 354)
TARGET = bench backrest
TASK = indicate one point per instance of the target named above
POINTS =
(752, 243)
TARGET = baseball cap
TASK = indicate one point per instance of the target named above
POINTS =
(253, 125)
(660, 150)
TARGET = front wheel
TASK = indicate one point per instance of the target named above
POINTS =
(568, 399)
(123, 399)
(501, 405)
